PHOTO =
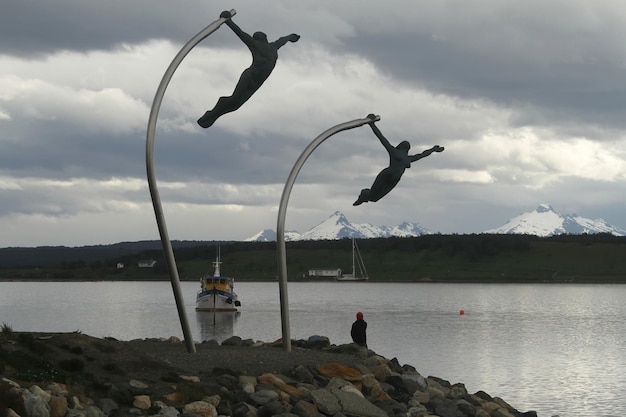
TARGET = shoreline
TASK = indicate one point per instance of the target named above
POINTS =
(450, 281)
(237, 377)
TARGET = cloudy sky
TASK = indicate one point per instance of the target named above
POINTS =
(528, 98)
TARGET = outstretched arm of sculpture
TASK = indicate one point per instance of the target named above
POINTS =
(245, 38)
(284, 39)
(427, 152)
(379, 134)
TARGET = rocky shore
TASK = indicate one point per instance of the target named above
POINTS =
(75, 375)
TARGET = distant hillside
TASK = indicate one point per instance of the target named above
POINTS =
(46, 256)
(596, 258)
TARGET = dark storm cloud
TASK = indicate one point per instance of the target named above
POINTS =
(552, 66)
(71, 152)
(220, 158)
(588, 92)
(57, 151)
(35, 27)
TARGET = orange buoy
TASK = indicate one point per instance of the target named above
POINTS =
(461, 312)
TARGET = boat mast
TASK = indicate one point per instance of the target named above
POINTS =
(353, 269)
(361, 263)
(217, 263)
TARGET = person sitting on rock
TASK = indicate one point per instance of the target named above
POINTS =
(358, 331)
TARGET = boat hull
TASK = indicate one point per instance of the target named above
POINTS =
(213, 300)
(351, 278)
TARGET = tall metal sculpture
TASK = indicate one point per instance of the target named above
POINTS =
(154, 192)
(264, 56)
(399, 161)
(281, 252)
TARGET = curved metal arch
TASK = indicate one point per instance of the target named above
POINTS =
(282, 213)
(154, 192)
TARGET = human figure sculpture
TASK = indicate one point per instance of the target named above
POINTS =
(264, 56)
(399, 161)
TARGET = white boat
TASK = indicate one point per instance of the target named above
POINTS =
(217, 292)
(357, 263)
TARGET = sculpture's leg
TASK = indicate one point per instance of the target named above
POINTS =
(363, 197)
(228, 104)
(207, 120)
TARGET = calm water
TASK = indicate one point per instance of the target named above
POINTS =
(556, 349)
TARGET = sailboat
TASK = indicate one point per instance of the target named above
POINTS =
(357, 263)
(217, 292)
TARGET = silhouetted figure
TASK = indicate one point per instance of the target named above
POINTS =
(358, 331)
(264, 56)
(399, 161)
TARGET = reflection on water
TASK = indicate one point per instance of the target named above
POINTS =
(216, 325)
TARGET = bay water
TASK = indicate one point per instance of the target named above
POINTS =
(557, 349)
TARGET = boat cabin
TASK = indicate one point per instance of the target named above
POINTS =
(217, 283)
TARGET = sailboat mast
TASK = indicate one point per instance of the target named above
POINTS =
(353, 268)
(362, 269)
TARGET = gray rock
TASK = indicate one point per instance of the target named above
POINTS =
(501, 412)
(401, 384)
(446, 407)
(137, 384)
(92, 411)
(233, 341)
(169, 412)
(231, 382)
(273, 408)
(35, 405)
(326, 402)
(247, 383)
(392, 407)
(263, 397)
(36, 390)
(458, 391)
(304, 375)
(244, 410)
(107, 405)
(416, 410)
(395, 366)
(75, 413)
(248, 342)
(317, 342)
(419, 380)
(466, 407)
(354, 405)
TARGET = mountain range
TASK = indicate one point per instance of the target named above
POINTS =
(543, 221)
(337, 226)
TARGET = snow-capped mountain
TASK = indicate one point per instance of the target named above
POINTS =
(268, 235)
(544, 221)
(337, 226)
